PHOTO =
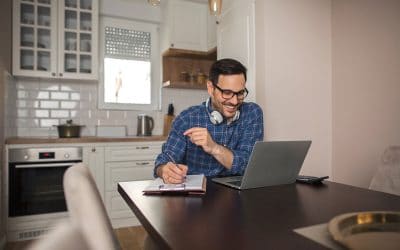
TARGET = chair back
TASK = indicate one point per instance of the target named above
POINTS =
(86, 209)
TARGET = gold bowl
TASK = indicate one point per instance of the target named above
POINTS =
(367, 230)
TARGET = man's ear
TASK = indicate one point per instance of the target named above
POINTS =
(210, 88)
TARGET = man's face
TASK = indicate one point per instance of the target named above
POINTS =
(226, 106)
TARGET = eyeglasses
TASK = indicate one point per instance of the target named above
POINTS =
(228, 94)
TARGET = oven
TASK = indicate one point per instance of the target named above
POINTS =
(36, 179)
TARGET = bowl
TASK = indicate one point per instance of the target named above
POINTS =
(367, 230)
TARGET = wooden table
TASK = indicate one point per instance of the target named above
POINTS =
(262, 218)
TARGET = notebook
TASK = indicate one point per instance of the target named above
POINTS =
(271, 163)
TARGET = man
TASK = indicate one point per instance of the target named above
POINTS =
(215, 138)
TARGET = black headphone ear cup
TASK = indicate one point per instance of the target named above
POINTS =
(216, 117)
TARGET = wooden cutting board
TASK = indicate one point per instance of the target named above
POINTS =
(168, 119)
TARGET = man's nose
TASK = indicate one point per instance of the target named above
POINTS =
(234, 99)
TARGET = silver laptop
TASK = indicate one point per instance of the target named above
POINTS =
(271, 163)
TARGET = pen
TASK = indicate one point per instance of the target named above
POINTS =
(173, 161)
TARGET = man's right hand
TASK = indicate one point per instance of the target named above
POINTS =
(172, 173)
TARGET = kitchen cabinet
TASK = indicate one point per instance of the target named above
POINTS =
(55, 38)
(126, 163)
(93, 157)
(188, 25)
(187, 69)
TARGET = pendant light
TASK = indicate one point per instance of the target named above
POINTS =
(215, 7)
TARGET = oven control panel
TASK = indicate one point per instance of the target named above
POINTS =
(45, 154)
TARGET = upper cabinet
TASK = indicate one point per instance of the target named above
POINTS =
(55, 38)
(189, 26)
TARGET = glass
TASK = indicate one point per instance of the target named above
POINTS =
(43, 61)
(43, 38)
(85, 64)
(70, 3)
(43, 16)
(86, 4)
(27, 37)
(85, 43)
(228, 94)
(85, 21)
(26, 59)
(70, 19)
(70, 63)
(70, 41)
(27, 14)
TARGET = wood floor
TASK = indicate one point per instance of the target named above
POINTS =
(130, 238)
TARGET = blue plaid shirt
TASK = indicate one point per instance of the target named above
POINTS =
(239, 136)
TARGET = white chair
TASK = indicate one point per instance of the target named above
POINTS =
(387, 176)
(88, 226)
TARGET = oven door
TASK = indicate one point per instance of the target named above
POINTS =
(37, 188)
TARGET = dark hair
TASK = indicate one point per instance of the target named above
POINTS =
(226, 66)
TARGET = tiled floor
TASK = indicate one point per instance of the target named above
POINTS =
(130, 238)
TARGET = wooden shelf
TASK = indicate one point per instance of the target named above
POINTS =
(184, 85)
(176, 62)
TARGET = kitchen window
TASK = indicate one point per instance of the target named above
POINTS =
(129, 72)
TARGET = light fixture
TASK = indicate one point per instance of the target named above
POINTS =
(215, 7)
(154, 2)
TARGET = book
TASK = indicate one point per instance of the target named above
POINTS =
(194, 184)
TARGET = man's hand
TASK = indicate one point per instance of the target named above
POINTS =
(172, 173)
(201, 137)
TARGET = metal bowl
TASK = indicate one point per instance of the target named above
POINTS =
(367, 230)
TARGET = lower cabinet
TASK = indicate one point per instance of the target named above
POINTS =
(131, 162)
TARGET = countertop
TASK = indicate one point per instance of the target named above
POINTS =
(84, 139)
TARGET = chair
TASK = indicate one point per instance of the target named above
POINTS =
(88, 225)
(387, 176)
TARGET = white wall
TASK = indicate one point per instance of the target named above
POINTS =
(366, 86)
(293, 58)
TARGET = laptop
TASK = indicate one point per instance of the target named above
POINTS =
(271, 163)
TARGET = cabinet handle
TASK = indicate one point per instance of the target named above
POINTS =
(143, 147)
(142, 163)
(172, 45)
(61, 74)
(53, 74)
(93, 150)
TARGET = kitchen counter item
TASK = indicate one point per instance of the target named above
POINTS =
(69, 130)
(145, 125)
(168, 119)
(367, 230)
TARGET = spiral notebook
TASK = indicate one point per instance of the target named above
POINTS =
(194, 184)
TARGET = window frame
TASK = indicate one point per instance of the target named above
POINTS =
(155, 59)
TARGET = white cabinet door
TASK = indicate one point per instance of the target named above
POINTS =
(93, 157)
(35, 38)
(55, 38)
(78, 39)
(187, 25)
(236, 38)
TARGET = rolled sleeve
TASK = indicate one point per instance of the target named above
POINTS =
(254, 132)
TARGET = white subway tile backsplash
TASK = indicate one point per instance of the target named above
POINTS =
(48, 122)
(69, 105)
(49, 104)
(40, 113)
(59, 95)
(59, 114)
(75, 96)
(22, 94)
(22, 112)
(34, 106)
(39, 95)
(49, 86)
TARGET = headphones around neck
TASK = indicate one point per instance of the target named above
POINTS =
(216, 117)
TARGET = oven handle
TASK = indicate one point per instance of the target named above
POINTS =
(45, 165)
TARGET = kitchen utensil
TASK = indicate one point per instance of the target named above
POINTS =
(168, 119)
(367, 230)
(69, 130)
(145, 125)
